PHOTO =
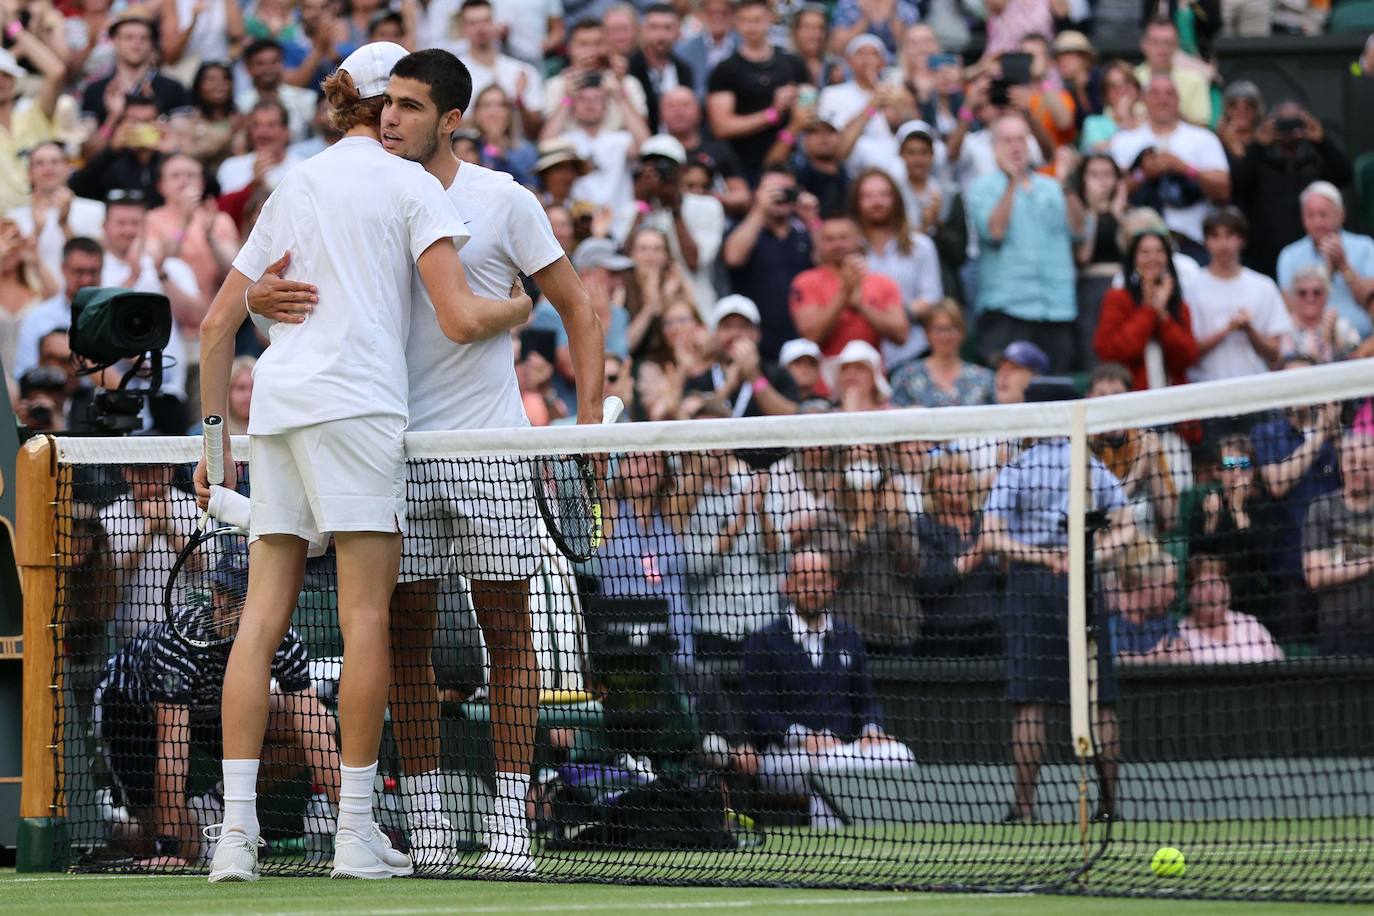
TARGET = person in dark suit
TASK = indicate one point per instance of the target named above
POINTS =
(655, 65)
(809, 702)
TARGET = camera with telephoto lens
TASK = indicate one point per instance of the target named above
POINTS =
(1288, 126)
(110, 324)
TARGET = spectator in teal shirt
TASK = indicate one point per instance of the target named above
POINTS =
(1026, 225)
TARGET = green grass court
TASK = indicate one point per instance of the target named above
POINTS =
(1259, 859)
(179, 894)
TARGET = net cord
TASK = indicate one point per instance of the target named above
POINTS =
(1337, 381)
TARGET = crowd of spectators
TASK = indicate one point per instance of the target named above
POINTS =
(782, 209)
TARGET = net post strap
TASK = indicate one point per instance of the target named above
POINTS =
(37, 556)
(1079, 713)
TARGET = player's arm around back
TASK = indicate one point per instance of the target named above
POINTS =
(586, 338)
(465, 317)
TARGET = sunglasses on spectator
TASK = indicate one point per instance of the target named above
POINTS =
(612, 377)
(1235, 463)
(1310, 292)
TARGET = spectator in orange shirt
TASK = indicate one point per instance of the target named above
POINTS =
(841, 300)
(1050, 104)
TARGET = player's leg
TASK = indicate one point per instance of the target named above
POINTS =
(503, 612)
(415, 720)
(276, 569)
(1107, 759)
(368, 562)
(1028, 750)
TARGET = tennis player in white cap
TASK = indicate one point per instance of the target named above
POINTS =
(476, 518)
(328, 417)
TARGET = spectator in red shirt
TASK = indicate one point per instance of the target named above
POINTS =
(841, 300)
(1146, 325)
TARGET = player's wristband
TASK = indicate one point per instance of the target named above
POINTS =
(772, 115)
(786, 136)
(167, 846)
(13, 29)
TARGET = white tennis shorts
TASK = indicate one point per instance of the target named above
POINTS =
(342, 475)
(471, 517)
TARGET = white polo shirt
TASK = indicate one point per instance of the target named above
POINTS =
(355, 220)
(473, 386)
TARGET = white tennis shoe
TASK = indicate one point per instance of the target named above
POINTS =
(368, 857)
(431, 841)
(235, 857)
(508, 847)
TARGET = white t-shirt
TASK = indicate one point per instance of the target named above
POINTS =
(506, 74)
(473, 386)
(355, 220)
(841, 103)
(236, 171)
(1212, 301)
(1196, 146)
(86, 218)
(608, 183)
(149, 557)
(527, 23)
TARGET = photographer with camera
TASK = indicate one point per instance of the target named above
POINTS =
(1176, 166)
(581, 120)
(42, 405)
(131, 159)
(694, 224)
(105, 102)
(1289, 151)
(765, 251)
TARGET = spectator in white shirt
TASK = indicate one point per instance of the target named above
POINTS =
(694, 224)
(488, 65)
(533, 28)
(55, 215)
(263, 60)
(270, 159)
(609, 151)
(1239, 317)
(1185, 166)
(137, 263)
(866, 106)
(587, 56)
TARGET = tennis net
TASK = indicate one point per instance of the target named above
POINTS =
(1002, 648)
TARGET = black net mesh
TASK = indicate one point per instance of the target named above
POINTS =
(831, 666)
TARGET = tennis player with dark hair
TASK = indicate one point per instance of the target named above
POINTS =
(161, 693)
(475, 518)
(328, 418)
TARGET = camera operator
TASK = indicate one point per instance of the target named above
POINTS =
(42, 405)
(765, 251)
(693, 223)
(1290, 151)
(132, 158)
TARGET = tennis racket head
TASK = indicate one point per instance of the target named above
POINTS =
(204, 596)
(566, 492)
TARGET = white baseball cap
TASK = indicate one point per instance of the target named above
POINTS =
(370, 66)
(9, 65)
(857, 351)
(735, 304)
(799, 348)
(665, 146)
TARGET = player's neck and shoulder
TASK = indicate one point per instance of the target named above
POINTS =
(364, 163)
(473, 180)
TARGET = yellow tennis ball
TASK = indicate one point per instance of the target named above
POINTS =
(1168, 863)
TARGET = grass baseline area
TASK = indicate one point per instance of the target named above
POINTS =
(1257, 860)
(171, 895)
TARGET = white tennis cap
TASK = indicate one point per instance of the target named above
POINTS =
(799, 348)
(735, 304)
(664, 146)
(370, 66)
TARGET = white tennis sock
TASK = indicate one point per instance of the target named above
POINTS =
(511, 790)
(355, 798)
(241, 796)
(423, 794)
